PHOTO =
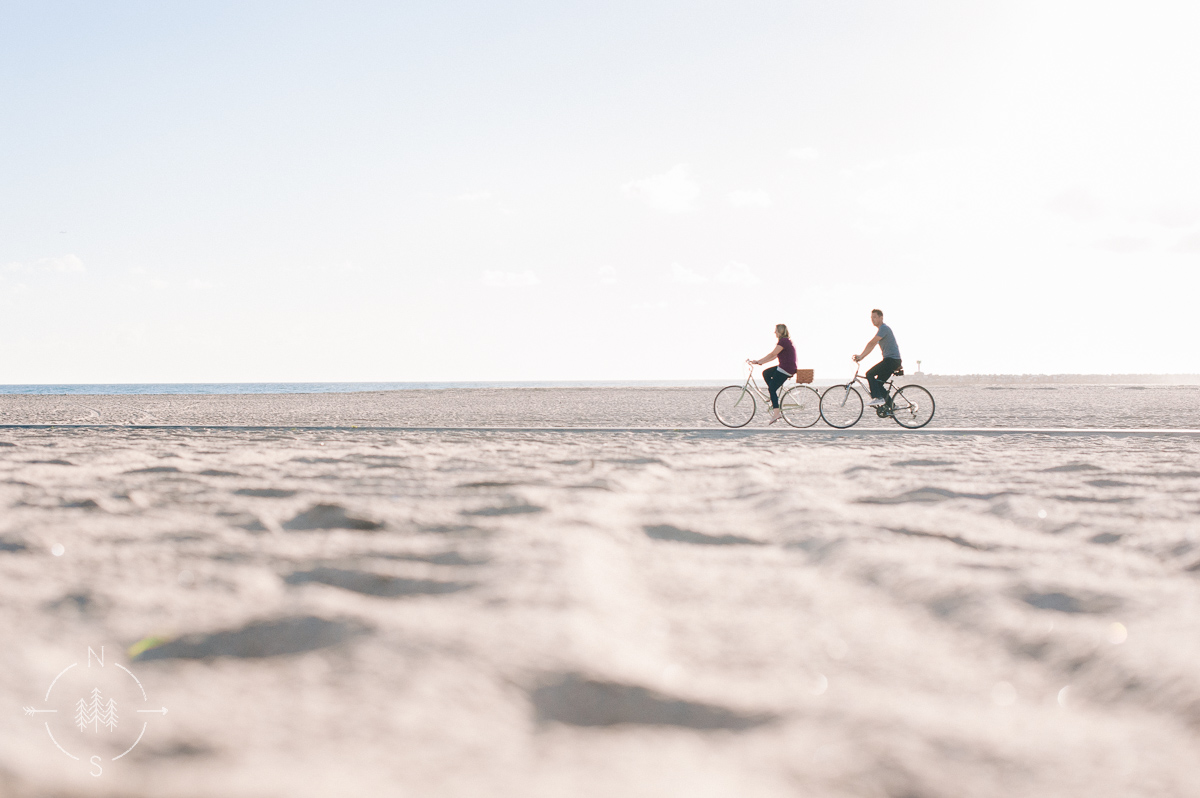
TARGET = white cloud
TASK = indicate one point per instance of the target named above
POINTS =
(1077, 204)
(674, 191)
(750, 198)
(682, 274)
(63, 264)
(510, 279)
(734, 273)
(804, 153)
(867, 167)
(340, 267)
(1176, 215)
(607, 275)
(67, 263)
(660, 304)
(1123, 244)
(479, 195)
(1188, 244)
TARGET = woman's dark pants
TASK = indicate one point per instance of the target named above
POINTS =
(773, 377)
(878, 374)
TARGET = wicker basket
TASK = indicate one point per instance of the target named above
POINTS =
(804, 376)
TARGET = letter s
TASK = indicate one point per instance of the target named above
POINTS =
(96, 764)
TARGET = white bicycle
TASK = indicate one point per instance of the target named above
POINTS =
(801, 405)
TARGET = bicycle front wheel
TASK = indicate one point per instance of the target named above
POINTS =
(841, 406)
(801, 406)
(734, 406)
(912, 406)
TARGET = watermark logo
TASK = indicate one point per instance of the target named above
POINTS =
(95, 714)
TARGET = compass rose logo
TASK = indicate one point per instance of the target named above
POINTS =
(97, 713)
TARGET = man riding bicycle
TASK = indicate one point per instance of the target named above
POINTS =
(878, 374)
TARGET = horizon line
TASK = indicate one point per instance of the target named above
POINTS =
(583, 381)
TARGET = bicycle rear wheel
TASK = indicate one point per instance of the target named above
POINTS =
(841, 406)
(734, 406)
(801, 406)
(912, 406)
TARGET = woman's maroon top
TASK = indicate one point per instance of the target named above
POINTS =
(787, 356)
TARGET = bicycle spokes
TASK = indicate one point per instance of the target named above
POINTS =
(734, 405)
(914, 407)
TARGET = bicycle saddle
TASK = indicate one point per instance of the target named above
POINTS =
(898, 372)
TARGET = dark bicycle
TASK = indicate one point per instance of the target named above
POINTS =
(909, 406)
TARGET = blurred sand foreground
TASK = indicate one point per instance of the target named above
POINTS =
(492, 613)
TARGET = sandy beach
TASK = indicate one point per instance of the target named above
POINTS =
(370, 610)
(1044, 405)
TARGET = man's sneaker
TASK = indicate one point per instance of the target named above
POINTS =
(876, 403)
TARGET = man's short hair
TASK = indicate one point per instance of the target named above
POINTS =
(877, 310)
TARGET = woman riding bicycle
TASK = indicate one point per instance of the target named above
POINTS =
(777, 376)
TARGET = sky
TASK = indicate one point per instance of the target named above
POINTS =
(452, 190)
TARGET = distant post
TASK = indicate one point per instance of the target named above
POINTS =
(918, 367)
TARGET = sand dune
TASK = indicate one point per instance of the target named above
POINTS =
(554, 613)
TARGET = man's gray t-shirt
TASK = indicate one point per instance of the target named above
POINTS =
(887, 342)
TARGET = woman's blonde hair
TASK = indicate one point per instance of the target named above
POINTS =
(781, 331)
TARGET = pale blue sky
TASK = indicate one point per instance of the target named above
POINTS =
(481, 191)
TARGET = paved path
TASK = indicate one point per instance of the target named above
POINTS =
(958, 431)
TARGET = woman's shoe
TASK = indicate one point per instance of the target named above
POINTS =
(776, 414)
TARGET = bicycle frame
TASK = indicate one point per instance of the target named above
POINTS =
(762, 392)
(861, 382)
(752, 384)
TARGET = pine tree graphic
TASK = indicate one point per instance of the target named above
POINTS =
(96, 713)
(82, 716)
(108, 717)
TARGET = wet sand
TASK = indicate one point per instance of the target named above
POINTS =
(343, 611)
